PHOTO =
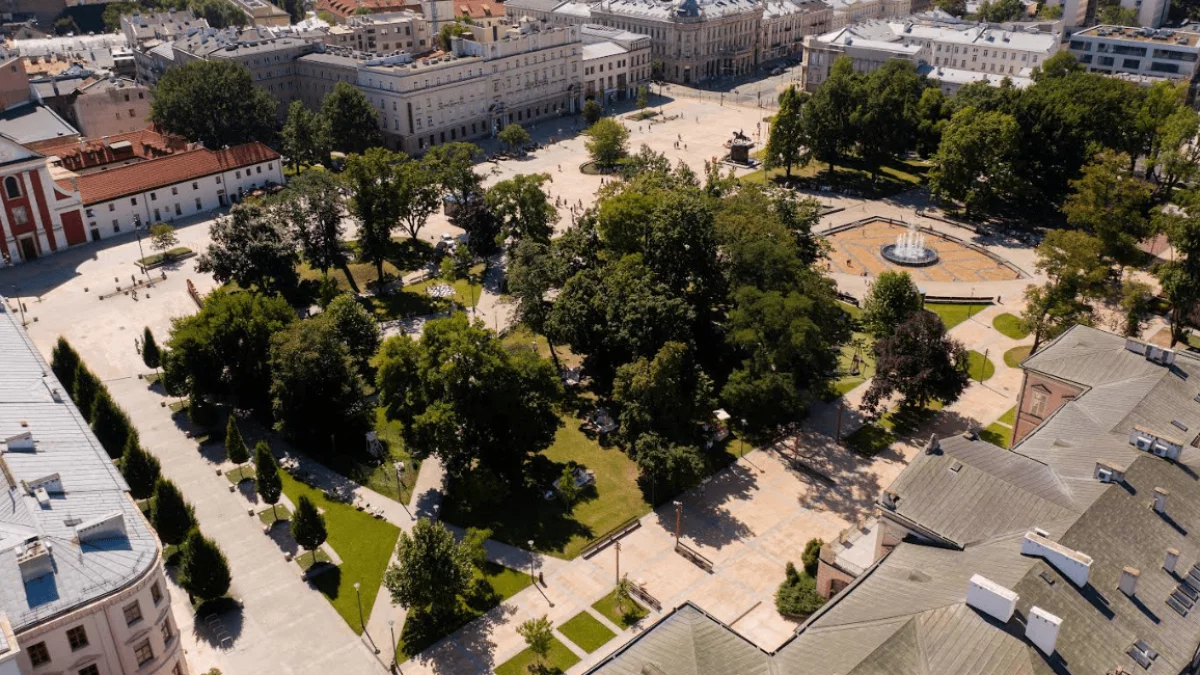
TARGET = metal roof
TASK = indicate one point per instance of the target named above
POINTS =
(91, 488)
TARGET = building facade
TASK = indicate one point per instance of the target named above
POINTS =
(1116, 50)
(110, 106)
(382, 33)
(786, 22)
(615, 62)
(84, 589)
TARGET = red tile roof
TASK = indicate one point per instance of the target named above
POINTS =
(144, 143)
(165, 171)
(347, 8)
(479, 9)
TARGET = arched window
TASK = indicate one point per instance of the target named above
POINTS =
(12, 188)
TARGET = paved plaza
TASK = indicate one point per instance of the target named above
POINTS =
(856, 250)
(749, 520)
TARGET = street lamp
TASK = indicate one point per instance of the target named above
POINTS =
(678, 520)
(531, 561)
(20, 305)
(137, 227)
(358, 595)
(435, 511)
(392, 630)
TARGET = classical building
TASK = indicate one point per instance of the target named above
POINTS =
(382, 33)
(1117, 50)
(848, 12)
(262, 13)
(786, 22)
(110, 106)
(1068, 553)
(499, 75)
(81, 571)
(953, 51)
(614, 61)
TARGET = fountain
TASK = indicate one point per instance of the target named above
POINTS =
(910, 249)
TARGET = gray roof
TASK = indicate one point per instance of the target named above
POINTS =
(687, 641)
(32, 122)
(91, 488)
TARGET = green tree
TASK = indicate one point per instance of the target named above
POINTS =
(785, 144)
(266, 476)
(828, 124)
(203, 570)
(514, 137)
(473, 545)
(523, 207)
(1000, 11)
(64, 362)
(812, 556)
(305, 136)
(607, 141)
(955, 7)
(1137, 306)
(976, 161)
(623, 594)
(669, 395)
(353, 121)
(592, 112)
(224, 350)
(419, 194)
(113, 12)
(1113, 14)
(140, 469)
(254, 248)
(315, 385)
(163, 239)
(235, 446)
(539, 637)
(313, 202)
(533, 270)
(294, 8)
(356, 328)
(1180, 278)
(87, 389)
(1050, 12)
(933, 112)
(1174, 156)
(1111, 203)
(308, 526)
(430, 571)
(920, 363)
(891, 300)
(887, 117)
(151, 355)
(171, 516)
(111, 425)
(373, 181)
(449, 31)
(1077, 272)
(797, 595)
(670, 467)
(458, 392)
(214, 102)
(218, 13)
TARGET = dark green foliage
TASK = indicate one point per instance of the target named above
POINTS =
(671, 468)
(356, 328)
(140, 469)
(305, 136)
(523, 207)
(373, 179)
(253, 247)
(891, 300)
(87, 388)
(235, 447)
(64, 361)
(669, 396)
(316, 390)
(592, 112)
(171, 516)
(111, 425)
(353, 121)
(812, 556)
(151, 355)
(797, 596)
(266, 475)
(203, 570)
(214, 102)
(308, 526)
(920, 363)
(431, 569)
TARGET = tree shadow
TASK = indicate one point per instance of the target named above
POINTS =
(247, 490)
(218, 623)
(706, 520)
(281, 534)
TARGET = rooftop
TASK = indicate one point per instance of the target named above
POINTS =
(81, 486)
(676, 9)
(32, 122)
(1163, 36)
(600, 50)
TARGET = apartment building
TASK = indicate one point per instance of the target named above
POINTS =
(262, 13)
(955, 51)
(786, 22)
(615, 61)
(849, 12)
(83, 586)
(1138, 52)
(344, 9)
(382, 33)
(147, 30)
(110, 106)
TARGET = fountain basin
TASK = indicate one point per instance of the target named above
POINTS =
(922, 257)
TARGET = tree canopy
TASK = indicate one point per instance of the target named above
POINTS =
(253, 247)
(431, 569)
(316, 388)
(353, 121)
(920, 363)
(214, 102)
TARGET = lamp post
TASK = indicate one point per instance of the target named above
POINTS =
(435, 511)
(678, 520)
(617, 548)
(358, 596)
(20, 305)
(532, 579)
(137, 228)
(392, 630)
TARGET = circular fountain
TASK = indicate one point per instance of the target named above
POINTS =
(910, 249)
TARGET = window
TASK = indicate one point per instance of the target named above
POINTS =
(144, 653)
(12, 188)
(199, 205)
(112, 207)
(258, 169)
(116, 225)
(237, 174)
(166, 631)
(1040, 399)
(156, 593)
(38, 654)
(174, 191)
(133, 613)
(90, 670)
(153, 197)
(218, 180)
(19, 215)
(77, 636)
(133, 201)
(196, 186)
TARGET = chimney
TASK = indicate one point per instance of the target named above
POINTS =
(1041, 629)
(1129, 579)
(1172, 558)
(1160, 500)
(932, 446)
(991, 598)
(1070, 563)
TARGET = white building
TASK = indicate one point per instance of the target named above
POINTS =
(1140, 52)
(614, 61)
(382, 33)
(947, 48)
(848, 12)
(82, 589)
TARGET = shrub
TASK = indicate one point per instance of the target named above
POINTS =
(111, 425)
(140, 469)
(797, 595)
(812, 553)
(203, 570)
(171, 516)
(87, 387)
(64, 360)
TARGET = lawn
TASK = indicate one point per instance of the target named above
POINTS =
(363, 543)
(491, 586)
(525, 515)
(159, 257)
(955, 313)
(1010, 326)
(306, 559)
(997, 434)
(586, 632)
(1016, 355)
(558, 661)
(875, 437)
(404, 255)
(893, 178)
(243, 472)
(608, 607)
(280, 514)
(465, 293)
(979, 367)
(861, 344)
(370, 472)
(1009, 417)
